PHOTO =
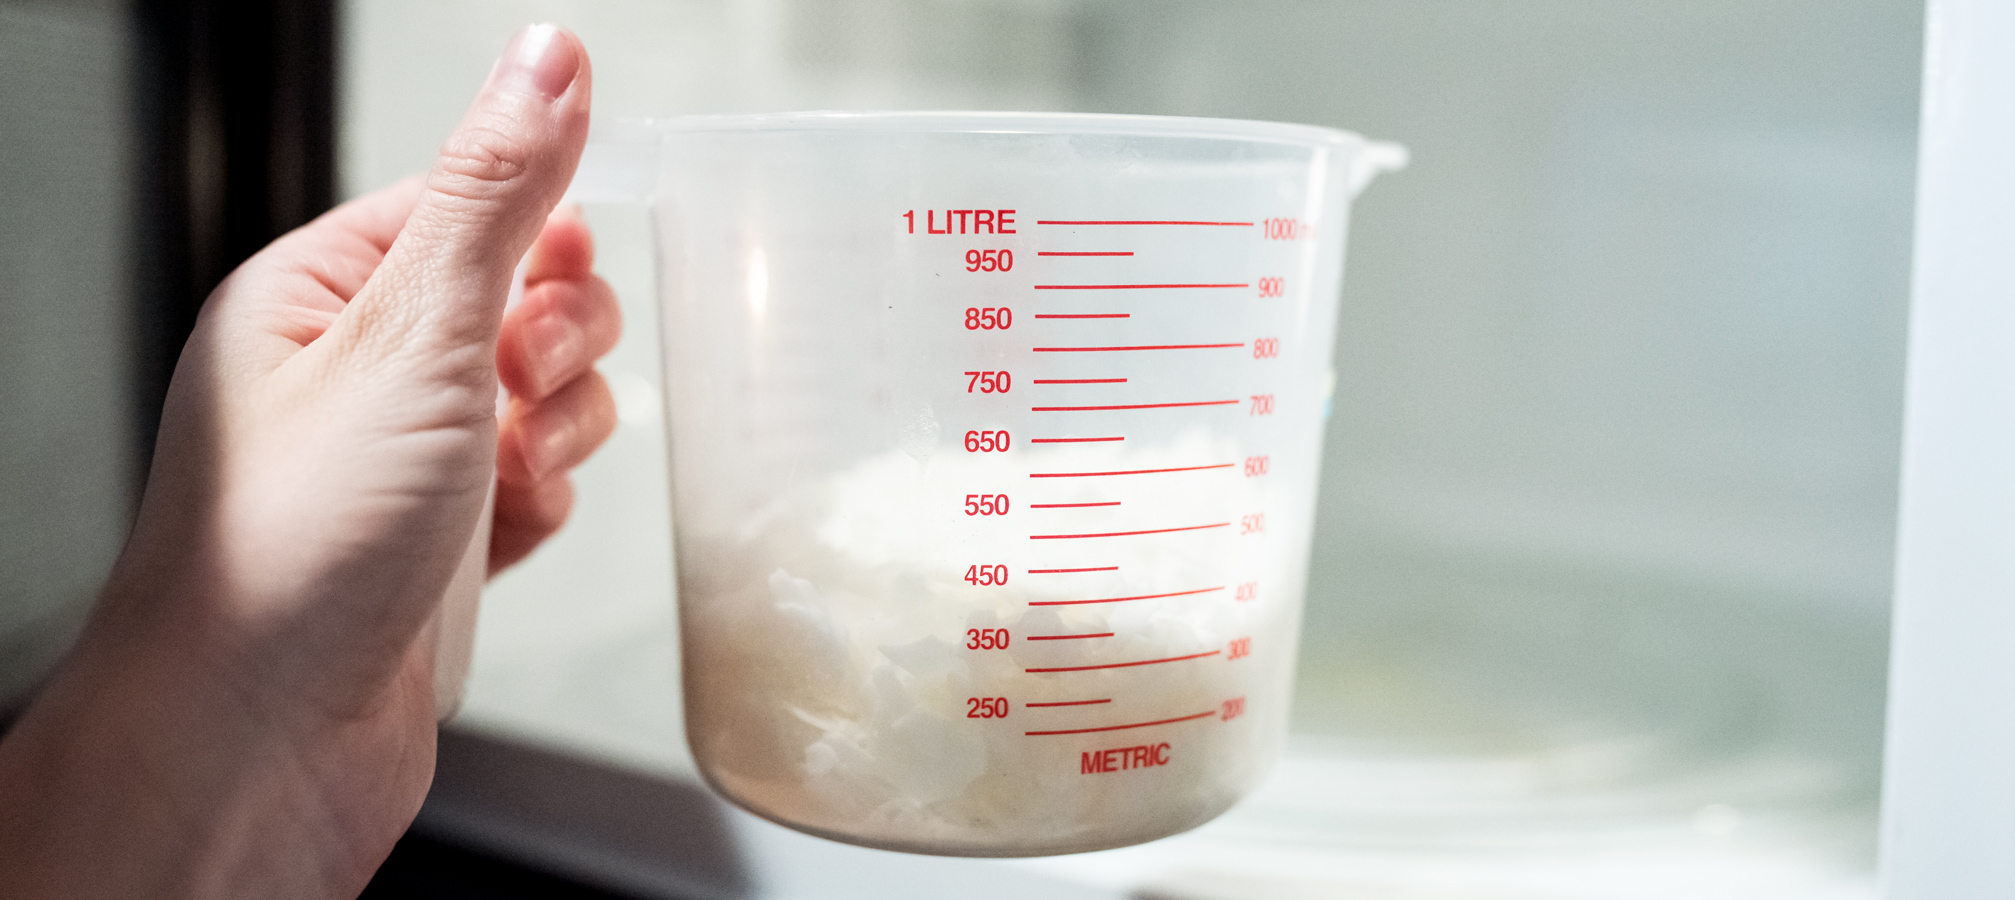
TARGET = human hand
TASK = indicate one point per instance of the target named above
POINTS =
(250, 710)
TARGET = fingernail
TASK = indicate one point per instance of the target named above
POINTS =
(537, 60)
(556, 343)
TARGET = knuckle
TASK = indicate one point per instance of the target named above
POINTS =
(478, 162)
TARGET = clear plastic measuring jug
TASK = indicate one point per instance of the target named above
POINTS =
(994, 442)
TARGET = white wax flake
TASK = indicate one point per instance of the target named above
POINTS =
(931, 758)
(804, 613)
(931, 658)
(841, 682)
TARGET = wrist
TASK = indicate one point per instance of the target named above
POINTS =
(139, 771)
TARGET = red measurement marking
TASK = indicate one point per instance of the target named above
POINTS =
(1141, 347)
(1085, 316)
(1065, 637)
(1066, 703)
(1084, 253)
(1122, 599)
(1072, 440)
(1127, 665)
(1132, 406)
(1062, 571)
(1130, 287)
(1062, 537)
(1127, 471)
(1080, 381)
(1133, 222)
(1070, 505)
(1201, 715)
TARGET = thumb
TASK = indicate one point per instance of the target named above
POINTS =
(441, 287)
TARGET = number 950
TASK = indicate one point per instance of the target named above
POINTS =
(989, 260)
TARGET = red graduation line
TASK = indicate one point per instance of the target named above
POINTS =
(1122, 727)
(1123, 599)
(1130, 287)
(1133, 222)
(1084, 253)
(1067, 703)
(1127, 471)
(1140, 347)
(1060, 537)
(1127, 665)
(1065, 637)
(1130, 406)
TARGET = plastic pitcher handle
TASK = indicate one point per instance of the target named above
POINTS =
(455, 619)
(619, 165)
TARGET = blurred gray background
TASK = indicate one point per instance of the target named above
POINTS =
(68, 462)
